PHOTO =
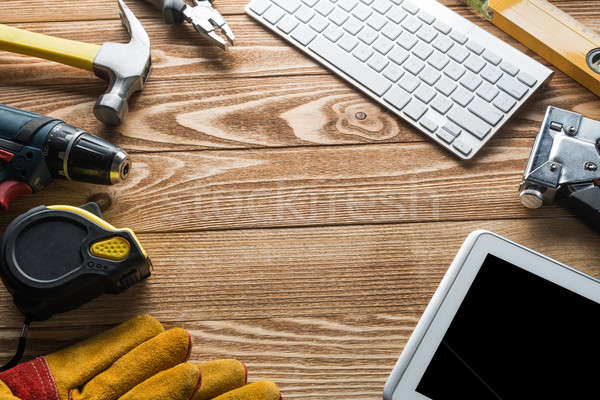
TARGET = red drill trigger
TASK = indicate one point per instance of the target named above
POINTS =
(10, 190)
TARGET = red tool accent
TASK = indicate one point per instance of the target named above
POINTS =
(10, 190)
(6, 156)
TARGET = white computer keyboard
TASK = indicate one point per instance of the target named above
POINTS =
(452, 80)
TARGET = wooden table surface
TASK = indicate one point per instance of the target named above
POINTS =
(284, 231)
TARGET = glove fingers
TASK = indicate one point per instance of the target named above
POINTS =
(220, 376)
(151, 357)
(75, 365)
(177, 383)
(263, 390)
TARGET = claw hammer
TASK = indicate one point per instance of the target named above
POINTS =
(125, 66)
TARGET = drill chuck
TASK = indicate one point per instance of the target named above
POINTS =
(76, 155)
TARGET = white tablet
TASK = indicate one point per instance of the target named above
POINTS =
(505, 323)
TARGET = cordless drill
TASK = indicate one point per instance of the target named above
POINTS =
(35, 149)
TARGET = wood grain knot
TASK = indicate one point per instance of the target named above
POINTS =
(102, 199)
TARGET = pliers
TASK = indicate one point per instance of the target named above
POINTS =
(201, 15)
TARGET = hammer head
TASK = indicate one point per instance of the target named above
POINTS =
(125, 66)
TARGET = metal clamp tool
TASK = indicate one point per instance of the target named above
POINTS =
(565, 161)
(201, 15)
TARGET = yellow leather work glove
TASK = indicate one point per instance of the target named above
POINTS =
(136, 360)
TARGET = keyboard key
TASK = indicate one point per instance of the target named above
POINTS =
(458, 37)
(512, 87)
(504, 102)
(409, 83)
(353, 26)
(438, 61)
(260, 6)
(350, 65)
(426, 17)
(458, 54)
(454, 71)
(413, 65)
(362, 12)
(332, 33)
(462, 97)
(441, 104)
(430, 76)
(442, 43)
(412, 24)
(427, 34)
(304, 14)
(462, 146)
(362, 52)
(509, 68)
(396, 15)
(367, 35)
(398, 55)
(303, 35)
(485, 111)
(474, 64)
(452, 128)
(274, 14)
(491, 74)
(381, 6)
(410, 7)
(347, 5)
(469, 122)
(445, 136)
(391, 31)
(527, 79)
(425, 94)
(428, 124)
(442, 27)
(407, 40)
(287, 24)
(475, 47)
(393, 72)
(470, 81)
(423, 51)
(492, 58)
(338, 16)
(383, 45)
(487, 92)
(319, 23)
(324, 7)
(446, 86)
(376, 21)
(397, 97)
(288, 5)
(348, 43)
(378, 62)
(415, 109)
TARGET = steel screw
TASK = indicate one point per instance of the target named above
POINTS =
(553, 167)
(361, 116)
(572, 131)
(590, 166)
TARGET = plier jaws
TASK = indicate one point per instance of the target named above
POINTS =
(207, 20)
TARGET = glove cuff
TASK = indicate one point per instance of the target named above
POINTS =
(31, 381)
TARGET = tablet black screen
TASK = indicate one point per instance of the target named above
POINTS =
(517, 336)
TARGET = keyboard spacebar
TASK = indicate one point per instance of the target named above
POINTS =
(350, 65)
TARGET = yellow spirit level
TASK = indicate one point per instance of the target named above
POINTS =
(554, 35)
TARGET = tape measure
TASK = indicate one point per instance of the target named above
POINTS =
(554, 35)
(53, 259)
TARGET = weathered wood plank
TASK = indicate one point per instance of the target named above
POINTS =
(262, 112)
(309, 272)
(86, 10)
(306, 186)
(345, 357)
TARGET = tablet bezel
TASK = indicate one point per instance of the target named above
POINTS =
(449, 296)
